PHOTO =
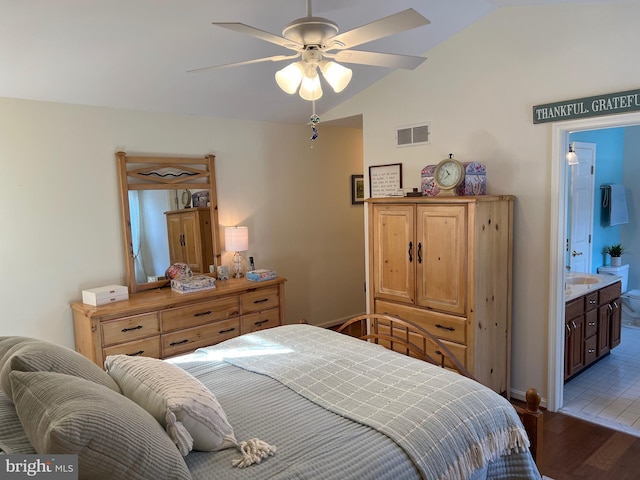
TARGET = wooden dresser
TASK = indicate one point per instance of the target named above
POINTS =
(162, 323)
(445, 264)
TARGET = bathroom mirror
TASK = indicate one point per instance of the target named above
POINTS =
(150, 186)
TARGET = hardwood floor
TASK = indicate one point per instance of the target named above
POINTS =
(576, 449)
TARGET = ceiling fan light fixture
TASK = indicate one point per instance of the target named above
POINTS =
(289, 78)
(336, 75)
(310, 88)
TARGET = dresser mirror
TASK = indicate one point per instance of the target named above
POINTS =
(154, 190)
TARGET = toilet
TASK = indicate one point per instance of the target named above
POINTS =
(630, 299)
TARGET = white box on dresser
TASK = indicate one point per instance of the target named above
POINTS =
(103, 295)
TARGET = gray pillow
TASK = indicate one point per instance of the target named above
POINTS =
(13, 439)
(176, 399)
(33, 355)
(113, 437)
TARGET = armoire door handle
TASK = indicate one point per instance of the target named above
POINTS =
(410, 251)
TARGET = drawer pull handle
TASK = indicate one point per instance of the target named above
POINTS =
(451, 329)
(227, 330)
(261, 322)
(438, 352)
(591, 324)
(139, 352)
(208, 312)
(173, 344)
(132, 328)
(592, 350)
(261, 301)
(592, 302)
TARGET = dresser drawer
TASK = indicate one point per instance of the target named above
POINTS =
(591, 323)
(448, 327)
(458, 350)
(261, 299)
(129, 328)
(189, 339)
(261, 320)
(149, 347)
(199, 314)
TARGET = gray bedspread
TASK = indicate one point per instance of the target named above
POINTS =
(318, 442)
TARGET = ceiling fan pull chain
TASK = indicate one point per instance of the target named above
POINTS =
(314, 119)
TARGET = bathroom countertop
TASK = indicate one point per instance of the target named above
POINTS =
(577, 290)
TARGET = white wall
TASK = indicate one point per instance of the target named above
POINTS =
(59, 201)
(477, 90)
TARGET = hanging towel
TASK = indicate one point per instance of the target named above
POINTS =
(615, 198)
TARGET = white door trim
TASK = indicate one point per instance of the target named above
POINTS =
(559, 148)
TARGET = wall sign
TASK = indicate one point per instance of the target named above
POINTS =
(607, 104)
(385, 180)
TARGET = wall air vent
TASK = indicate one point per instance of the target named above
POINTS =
(419, 134)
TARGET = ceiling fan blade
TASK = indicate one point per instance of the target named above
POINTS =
(261, 34)
(275, 58)
(389, 60)
(396, 23)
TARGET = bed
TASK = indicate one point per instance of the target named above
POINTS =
(322, 404)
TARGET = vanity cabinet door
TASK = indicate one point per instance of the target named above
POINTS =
(615, 322)
(575, 350)
(603, 330)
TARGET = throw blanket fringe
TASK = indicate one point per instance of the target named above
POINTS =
(483, 453)
(253, 451)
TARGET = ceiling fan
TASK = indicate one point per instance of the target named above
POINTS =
(316, 39)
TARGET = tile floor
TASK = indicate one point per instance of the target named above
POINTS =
(608, 393)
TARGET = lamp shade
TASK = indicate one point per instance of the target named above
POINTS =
(572, 157)
(289, 78)
(236, 239)
(336, 75)
(310, 88)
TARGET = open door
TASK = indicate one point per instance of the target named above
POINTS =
(581, 201)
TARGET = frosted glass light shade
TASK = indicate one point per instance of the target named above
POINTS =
(336, 75)
(236, 239)
(310, 88)
(289, 78)
(572, 157)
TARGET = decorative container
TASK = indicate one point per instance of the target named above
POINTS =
(475, 180)
(103, 295)
(196, 283)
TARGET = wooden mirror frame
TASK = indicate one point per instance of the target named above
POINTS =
(143, 173)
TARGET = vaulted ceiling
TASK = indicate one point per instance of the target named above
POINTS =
(135, 53)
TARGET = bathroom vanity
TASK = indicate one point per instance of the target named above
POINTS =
(592, 319)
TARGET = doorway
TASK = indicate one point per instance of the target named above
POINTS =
(559, 195)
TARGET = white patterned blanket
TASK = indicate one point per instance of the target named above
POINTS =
(448, 425)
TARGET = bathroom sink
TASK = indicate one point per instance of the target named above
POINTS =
(582, 279)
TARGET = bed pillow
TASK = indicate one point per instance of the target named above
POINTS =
(113, 437)
(187, 409)
(13, 439)
(33, 355)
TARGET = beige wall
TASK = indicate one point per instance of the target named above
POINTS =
(477, 90)
(59, 202)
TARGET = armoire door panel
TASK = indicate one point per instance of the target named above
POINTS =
(442, 264)
(395, 252)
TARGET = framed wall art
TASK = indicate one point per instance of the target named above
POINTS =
(357, 189)
(385, 180)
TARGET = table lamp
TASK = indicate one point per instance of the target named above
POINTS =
(236, 240)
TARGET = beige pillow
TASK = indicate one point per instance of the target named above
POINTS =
(33, 355)
(113, 437)
(180, 402)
